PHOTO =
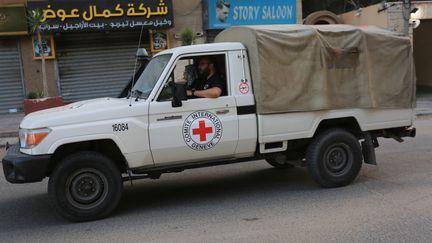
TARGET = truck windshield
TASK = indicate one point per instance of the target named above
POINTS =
(150, 76)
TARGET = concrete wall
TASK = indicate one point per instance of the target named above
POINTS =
(299, 12)
(367, 16)
(33, 69)
(187, 13)
(392, 19)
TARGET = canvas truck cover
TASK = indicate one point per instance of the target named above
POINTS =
(307, 68)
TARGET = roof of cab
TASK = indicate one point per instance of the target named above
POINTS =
(214, 47)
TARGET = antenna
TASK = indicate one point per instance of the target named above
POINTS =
(135, 67)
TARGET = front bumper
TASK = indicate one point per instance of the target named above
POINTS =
(24, 168)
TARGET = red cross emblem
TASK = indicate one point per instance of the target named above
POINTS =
(202, 131)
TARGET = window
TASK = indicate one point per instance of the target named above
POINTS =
(150, 76)
(187, 70)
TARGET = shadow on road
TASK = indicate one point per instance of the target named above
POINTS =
(209, 189)
(196, 189)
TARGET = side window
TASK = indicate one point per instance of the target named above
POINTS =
(177, 76)
(193, 71)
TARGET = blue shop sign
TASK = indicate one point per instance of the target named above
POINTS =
(226, 13)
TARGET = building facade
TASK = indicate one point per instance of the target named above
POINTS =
(89, 46)
(391, 16)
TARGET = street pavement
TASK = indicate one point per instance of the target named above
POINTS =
(249, 202)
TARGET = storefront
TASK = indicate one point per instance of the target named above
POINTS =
(11, 80)
(94, 43)
(222, 14)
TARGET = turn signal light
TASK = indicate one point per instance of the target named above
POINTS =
(32, 137)
(35, 138)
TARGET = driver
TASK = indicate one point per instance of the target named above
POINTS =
(211, 84)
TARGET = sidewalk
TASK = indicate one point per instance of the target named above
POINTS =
(9, 125)
(424, 101)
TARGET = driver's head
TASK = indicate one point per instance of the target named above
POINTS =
(206, 66)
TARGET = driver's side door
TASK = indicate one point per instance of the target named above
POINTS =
(201, 129)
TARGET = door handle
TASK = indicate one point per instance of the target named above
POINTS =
(222, 112)
(169, 118)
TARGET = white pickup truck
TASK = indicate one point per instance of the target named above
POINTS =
(295, 96)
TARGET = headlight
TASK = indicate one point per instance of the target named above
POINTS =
(29, 138)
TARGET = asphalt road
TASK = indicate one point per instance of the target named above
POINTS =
(249, 202)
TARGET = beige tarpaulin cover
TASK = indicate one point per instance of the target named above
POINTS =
(306, 68)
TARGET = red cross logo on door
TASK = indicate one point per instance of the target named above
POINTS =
(202, 131)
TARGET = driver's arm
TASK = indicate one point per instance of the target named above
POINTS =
(214, 92)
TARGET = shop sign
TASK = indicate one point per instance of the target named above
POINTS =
(98, 15)
(13, 20)
(226, 13)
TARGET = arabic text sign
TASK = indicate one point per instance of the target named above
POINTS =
(226, 13)
(98, 15)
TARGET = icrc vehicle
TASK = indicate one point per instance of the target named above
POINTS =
(313, 96)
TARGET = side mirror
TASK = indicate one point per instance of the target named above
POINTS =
(179, 94)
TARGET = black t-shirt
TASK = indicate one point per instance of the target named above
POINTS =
(214, 81)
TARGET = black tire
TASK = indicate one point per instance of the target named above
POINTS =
(279, 164)
(85, 186)
(334, 158)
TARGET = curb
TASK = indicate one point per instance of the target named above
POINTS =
(424, 113)
(11, 134)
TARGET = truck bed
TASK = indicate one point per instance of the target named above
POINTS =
(298, 125)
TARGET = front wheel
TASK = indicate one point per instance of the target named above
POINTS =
(85, 186)
(334, 158)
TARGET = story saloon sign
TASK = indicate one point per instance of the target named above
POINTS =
(223, 14)
(99, 15)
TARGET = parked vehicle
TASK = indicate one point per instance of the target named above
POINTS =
(314, 96)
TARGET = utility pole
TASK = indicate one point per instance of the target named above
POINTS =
(406, 14)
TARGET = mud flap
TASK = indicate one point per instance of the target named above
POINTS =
(368, 149)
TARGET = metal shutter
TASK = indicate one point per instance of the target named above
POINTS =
(11, 86)
(93, 65)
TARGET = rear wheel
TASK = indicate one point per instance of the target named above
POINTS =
(85, 186)
(334, 158)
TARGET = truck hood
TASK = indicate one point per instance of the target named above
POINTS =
(79, 112)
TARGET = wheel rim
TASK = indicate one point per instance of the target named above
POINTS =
(86, 188)
(338, 159)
